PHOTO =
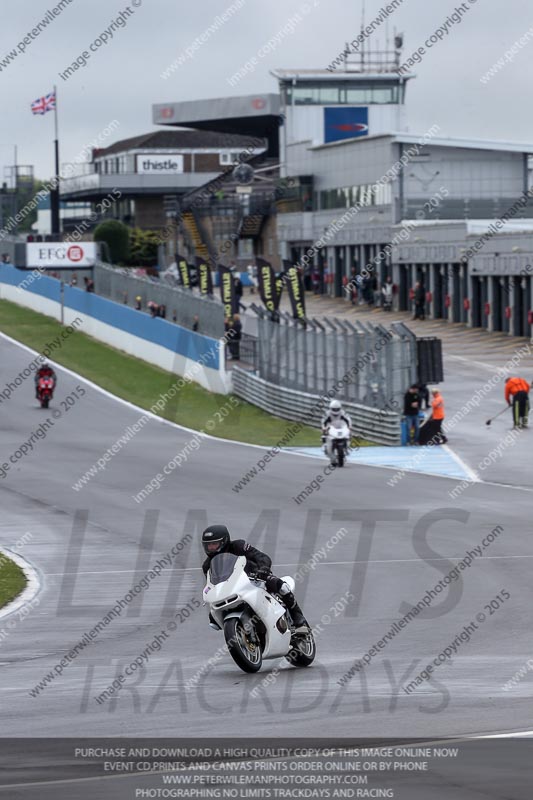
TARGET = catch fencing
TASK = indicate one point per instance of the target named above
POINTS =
(382, 427)
(122, 286)
(366, 364)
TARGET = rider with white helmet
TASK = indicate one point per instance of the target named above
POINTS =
(337, 414)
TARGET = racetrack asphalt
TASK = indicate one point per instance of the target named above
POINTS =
(91, 546)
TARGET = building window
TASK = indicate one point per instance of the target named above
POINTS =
(329, 93)
(359, 95)
(367, 194)
(227, 159)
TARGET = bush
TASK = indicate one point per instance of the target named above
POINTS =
(117, 237)
(143, 248)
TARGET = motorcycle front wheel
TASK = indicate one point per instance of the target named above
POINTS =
(44, 402)
(245, 652)
(303, 652)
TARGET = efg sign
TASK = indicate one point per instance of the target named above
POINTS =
(60, 255)
(159, 164)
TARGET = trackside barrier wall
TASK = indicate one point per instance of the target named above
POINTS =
(382, 427)
(115, 284)
(155, 340)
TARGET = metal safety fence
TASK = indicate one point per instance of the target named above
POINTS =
(380, 426)
(190, 309)
(366, 364)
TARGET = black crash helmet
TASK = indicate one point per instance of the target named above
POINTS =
(215, 539)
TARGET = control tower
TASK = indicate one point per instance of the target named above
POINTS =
(363, 94)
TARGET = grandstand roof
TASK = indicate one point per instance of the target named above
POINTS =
(178, 139)
(251, 115)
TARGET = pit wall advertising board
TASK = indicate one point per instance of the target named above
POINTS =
(60, 255)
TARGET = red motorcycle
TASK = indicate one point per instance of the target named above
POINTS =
(45, 391)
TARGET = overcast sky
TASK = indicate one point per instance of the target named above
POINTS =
(123, 78)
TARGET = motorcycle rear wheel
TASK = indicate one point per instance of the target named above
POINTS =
(246, 654)
(305, 653)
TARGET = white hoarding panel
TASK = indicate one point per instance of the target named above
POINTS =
(57, 255)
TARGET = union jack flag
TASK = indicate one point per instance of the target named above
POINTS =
(44, 104)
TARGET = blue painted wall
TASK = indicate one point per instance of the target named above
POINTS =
(156, 330)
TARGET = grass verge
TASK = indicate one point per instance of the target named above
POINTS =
(12, 580)
(142, 383)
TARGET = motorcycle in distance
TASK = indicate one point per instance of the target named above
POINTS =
(45, 391)
(256, 624)
(337, 443)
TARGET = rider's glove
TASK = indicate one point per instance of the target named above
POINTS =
(262, 574)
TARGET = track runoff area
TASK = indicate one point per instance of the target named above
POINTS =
(420, 604)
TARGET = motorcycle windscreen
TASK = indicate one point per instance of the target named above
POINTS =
(338, 424)
(221, 567)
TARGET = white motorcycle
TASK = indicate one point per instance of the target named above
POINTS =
(337, 443)
(256, 624)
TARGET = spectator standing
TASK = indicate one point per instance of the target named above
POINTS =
(375, 290)
(411, 409)
(387, 294)
(316, 280)
(195, 323)
(517, 394)
(227, 334)
(238, 289)
(437, 419)
(251, 270)
(138, 303)
(353, 286)
(423, 391)
(420, 301)
(89, 284)
(235, 341)
(175, 316)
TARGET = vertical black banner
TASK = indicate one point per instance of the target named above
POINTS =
(292, 279)
(205, 280)
(270, 287)
(227, 291)
(183, 270)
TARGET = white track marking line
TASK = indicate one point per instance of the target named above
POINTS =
(132, 405)
(473, 477)
(322, 564)
(485, 365)
(413, 471)
(469, 361)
